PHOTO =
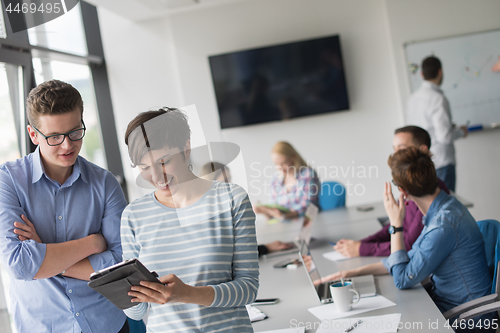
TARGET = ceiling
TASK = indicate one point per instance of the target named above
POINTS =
(142, 10)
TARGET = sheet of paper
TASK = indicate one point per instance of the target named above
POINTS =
(287, 330)
(334, 256)
(329, 311)
(376, 324)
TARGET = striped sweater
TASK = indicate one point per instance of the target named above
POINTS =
(209, 243)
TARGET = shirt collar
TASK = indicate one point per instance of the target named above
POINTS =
(77, 173)
(429, 84)
(435, 206)
(39, 170)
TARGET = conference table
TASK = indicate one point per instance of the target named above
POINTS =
(295, 292)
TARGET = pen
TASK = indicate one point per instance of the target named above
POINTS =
(353, 326)
(332, 243)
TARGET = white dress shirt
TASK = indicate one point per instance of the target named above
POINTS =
(430, 109)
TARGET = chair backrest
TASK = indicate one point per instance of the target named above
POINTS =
(136, 326)
(332, 195)
(491, 236)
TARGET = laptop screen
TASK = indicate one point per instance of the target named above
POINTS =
(308, 262)
(364, 284)
(307, 223)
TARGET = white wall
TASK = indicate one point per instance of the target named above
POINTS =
(357, 138)
(142, 74)
(478, 156)
(372, 34)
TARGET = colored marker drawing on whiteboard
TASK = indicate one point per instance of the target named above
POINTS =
(470, 72)
(496, 67)
(413, 68)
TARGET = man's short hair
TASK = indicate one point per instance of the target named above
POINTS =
(430, 67)
(419, 135)
(153, 130)
(413, 170)
(52, 98)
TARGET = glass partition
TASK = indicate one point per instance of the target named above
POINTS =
(65, 34)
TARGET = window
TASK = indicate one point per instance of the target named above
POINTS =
(64, 34)
(11, 103)
(68, 48)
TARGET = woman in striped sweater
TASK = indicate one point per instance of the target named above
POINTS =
(198, 235)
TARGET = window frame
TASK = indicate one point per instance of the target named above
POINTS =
(16, 49)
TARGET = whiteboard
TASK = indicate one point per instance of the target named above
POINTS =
(471, 72)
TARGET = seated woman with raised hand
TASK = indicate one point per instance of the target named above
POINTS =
(379, 244)
(294, 185)
(450, 248)
(198, 234)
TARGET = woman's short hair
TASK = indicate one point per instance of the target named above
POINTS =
(153, 130)
(413, 170)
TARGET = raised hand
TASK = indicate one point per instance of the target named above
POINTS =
(395, 211)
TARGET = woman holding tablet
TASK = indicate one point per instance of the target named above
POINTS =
(198, 235)
(294, 185)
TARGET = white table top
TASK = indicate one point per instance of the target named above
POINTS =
(296, 294)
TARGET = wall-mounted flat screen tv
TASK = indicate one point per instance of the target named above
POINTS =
(279, 82)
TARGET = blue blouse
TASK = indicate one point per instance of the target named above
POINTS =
(451, 248)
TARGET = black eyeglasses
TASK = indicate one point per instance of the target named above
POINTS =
(57, 139)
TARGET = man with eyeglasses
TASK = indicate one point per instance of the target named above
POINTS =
(60, 221)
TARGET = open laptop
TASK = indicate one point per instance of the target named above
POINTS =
(365, 285)
(305, 232)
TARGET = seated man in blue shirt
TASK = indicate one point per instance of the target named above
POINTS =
(60, 221)
(450, 248)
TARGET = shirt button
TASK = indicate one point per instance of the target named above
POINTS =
(70, 291)
(411, 276)
(77, 314)
(60, 217)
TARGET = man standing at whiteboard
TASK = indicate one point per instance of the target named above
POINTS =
(430, 109)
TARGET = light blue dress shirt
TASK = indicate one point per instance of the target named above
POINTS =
(90, 201)
(451, 248)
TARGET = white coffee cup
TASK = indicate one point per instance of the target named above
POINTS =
(342, 294)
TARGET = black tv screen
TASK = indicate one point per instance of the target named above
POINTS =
(279, 82)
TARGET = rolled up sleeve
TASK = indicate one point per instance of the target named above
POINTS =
(409, 269)
(22, 259)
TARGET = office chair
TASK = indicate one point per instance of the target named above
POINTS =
(489, 303)
(136, 326)
(332, 195)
